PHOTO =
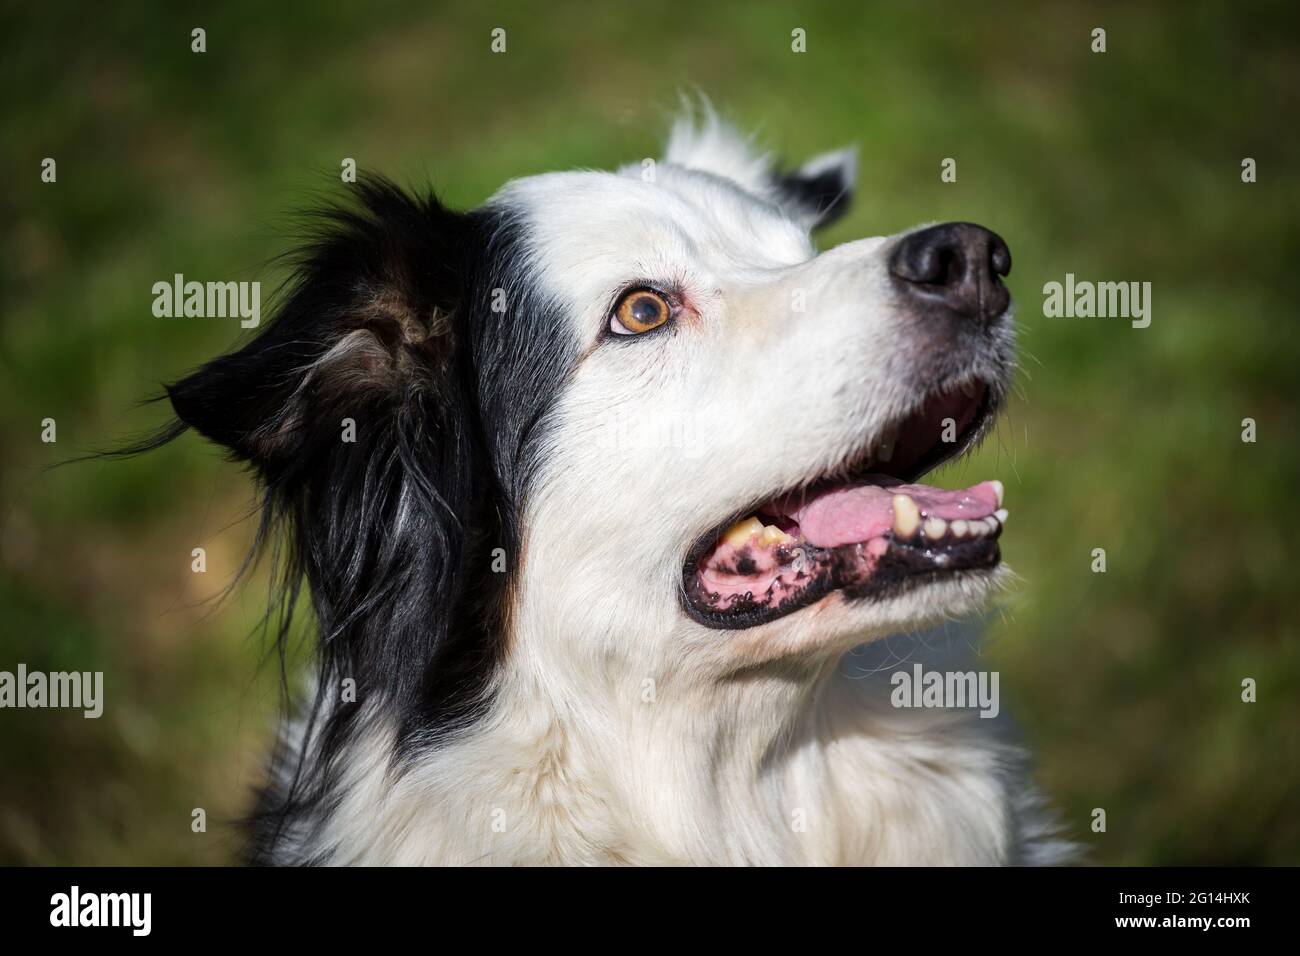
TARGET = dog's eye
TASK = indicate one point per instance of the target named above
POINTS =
(639, 311)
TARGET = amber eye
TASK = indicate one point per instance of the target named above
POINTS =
(639, 311)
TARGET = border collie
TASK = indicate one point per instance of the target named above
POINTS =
(591, 488)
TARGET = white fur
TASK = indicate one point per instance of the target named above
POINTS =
(621, 731)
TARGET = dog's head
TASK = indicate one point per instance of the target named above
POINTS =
(621, 420)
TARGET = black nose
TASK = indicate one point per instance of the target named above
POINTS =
(957, 265)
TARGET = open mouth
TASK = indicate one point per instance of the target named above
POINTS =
(870, 536)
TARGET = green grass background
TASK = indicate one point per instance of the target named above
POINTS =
(1115, 166)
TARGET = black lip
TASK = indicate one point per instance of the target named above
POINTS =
(895, 575)
(743, 615)
(903, 566)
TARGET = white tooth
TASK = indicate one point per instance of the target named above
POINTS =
(1002, 514)
(999, 490)
(935, 528)
(961, 526)
(907, 517)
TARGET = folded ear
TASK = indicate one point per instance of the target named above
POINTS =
(819, 191)
(355, 406)
(363, 327)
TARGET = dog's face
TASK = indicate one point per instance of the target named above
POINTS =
(631, 419)
(724, 460)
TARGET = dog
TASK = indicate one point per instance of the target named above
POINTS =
(591, 488)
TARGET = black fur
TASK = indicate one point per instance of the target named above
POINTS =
(390, 323)
(825, 196)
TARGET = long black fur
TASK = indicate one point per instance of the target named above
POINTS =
(389, 322)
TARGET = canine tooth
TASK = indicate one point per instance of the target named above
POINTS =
(738, 534)
(907, 516)
(773, 535)
(1002, 514)
(961, 526)
(935, 528)
(999, 489)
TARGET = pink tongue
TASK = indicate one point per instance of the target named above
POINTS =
(854, 513)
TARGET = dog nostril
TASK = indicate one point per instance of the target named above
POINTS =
(950, 267)
(955, 266)
(1000, 258)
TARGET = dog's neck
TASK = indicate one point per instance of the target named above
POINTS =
(775, 766)
(667, 764)
(584, 756)
(761, 769)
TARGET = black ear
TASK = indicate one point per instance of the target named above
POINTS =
(384, 517)
(363, 327)
(819, 191)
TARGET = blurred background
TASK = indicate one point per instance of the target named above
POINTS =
(1122, 166)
